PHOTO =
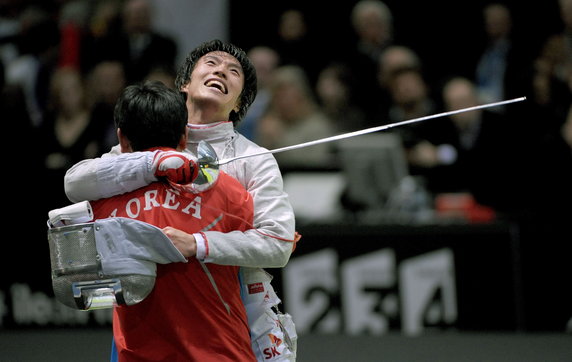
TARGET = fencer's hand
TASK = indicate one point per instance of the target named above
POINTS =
(424, 154)
(177, 167)
(184, 242)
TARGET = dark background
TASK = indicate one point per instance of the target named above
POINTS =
(447, 35)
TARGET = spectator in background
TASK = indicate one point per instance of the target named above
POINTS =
(450, 155)
(294, 117)
(410, 94)
(164, 75)
(105, 84)
(68, 133)
(136, 45)
(411, 98)
(372, 22)
(335, 91)
(294, 43)
(554, 173)
(491, 68)
(553, 69)
(37, 44)
(544, 234)
(17, 119)
(481, 145)
(392, 60)
(105, 18)
(503, 67)
(73, 23)
(549, 124)
(9, 28)
(104, 22)
(265, 61)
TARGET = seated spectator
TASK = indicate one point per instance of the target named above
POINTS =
(294, 43)
(163, 75)
(294, 117)
(391, 61)
(265, 61)
(471, 150)
(503, 68)
(137, 45)
(372, 23)
(411, 98)
(68, 134)
(335, 90)
(105, 83)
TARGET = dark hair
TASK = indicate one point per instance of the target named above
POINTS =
(150, 114)
(248, 91)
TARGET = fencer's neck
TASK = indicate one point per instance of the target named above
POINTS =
(206, 115)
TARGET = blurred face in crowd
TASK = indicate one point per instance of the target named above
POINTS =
(215, 85)
(265, 61)
(137, 16)
(460, 93)
(394, 58)
(67, 89)
(330, 88)
(497, 21)
(291, 94)
(566, 12)
(107, 82)
(292, 25)
(408, 88)
(372, 22)
(286, 100)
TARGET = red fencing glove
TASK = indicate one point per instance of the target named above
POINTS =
(177, 167)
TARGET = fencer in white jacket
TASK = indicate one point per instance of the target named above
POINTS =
(217, 79)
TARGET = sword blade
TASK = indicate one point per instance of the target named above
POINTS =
(371, 130)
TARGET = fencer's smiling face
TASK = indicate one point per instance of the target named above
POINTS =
(217, 79)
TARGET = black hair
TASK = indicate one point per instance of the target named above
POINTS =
(250, 87)
(150, 114)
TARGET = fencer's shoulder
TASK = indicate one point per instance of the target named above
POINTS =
(244, 144)
(258, 164)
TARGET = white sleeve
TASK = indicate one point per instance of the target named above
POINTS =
(113, 174)
(272, 242)
(201, 247)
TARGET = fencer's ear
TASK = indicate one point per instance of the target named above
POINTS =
(123, 142)
(237, 106)
(183, 141)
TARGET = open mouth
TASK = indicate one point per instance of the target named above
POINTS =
(214, 83)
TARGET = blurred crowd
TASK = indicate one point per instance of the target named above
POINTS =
(64, 63)
(505, 161)
(63, 66)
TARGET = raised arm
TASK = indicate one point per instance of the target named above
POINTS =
(113, 174)
(116, 173)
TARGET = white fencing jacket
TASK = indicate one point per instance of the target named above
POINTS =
(269, 245)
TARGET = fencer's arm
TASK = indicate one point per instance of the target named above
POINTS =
(270, 243)
(183, 241)
(113, 174)
(249, 249)
(257, 252)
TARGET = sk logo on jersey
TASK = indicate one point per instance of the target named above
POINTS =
(272, 351)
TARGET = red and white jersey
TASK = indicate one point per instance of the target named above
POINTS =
(184, 318)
